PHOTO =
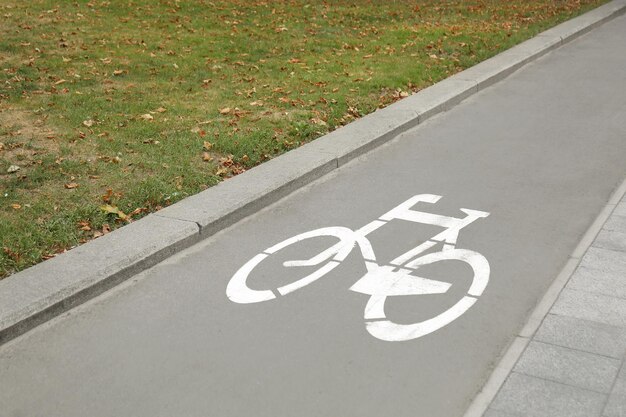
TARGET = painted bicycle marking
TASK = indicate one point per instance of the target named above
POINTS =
(398, 278)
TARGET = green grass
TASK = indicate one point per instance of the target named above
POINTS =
(124, 103)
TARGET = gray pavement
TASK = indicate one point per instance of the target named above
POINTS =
(540, 151)
(575, 364)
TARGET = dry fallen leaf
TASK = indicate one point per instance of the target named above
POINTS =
(13, 168)
(109, 209)
(206, 157)
(207, 145)
(318, 121)
(107, 197)
(118, 72)
(161, 110)
(71, 185)
(88, 123)
(16, 206)
(84, 225)
(225, 110)
(147, 116)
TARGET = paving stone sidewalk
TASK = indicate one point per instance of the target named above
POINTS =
(575, 364)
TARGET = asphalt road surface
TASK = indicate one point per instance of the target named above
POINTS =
(363, 331)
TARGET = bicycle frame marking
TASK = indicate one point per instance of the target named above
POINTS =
(381, 282)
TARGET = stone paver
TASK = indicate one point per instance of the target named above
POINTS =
(500, 413)
(583, 335)
(528, 396)
(601, 271)
(616, 406)
(589, 306)
(568, 366)
(611, 239)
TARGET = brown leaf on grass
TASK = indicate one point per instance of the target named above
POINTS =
(146, 116)
(161, 110)
(15, 256)
(137, 211)
(105, 229)
(225, 110)
(16, 206)
(222, 172)
(207, 145)
(206, 157)
(88, 122)
(107, 197)
(84, 225)
(109, 209)
(71, 185)
(118, 72)
(60, 82)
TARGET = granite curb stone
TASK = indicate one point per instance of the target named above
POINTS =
(39, 293)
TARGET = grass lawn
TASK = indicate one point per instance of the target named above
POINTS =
(110, 110)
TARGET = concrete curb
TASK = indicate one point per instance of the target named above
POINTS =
(44, 291)
(515, 350)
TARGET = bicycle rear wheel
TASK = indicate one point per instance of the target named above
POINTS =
(238, 290)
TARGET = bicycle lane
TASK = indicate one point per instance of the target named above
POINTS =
(541, 152)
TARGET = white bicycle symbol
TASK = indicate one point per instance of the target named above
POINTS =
(382, 281)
